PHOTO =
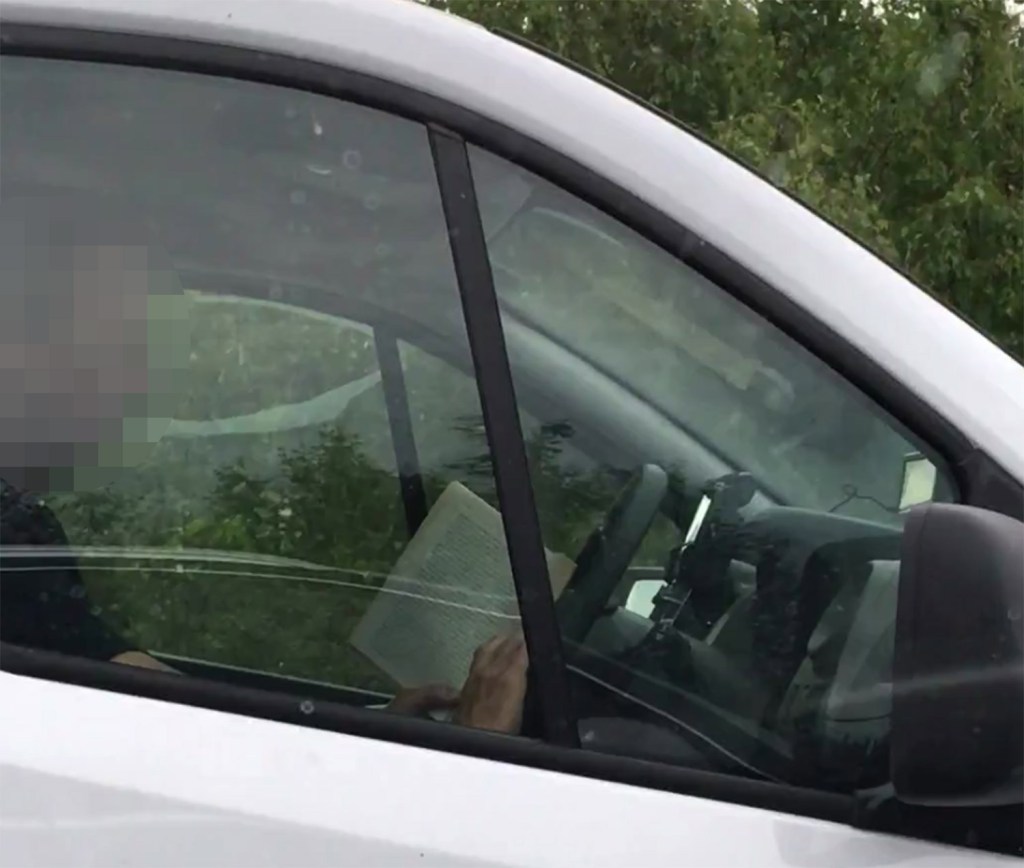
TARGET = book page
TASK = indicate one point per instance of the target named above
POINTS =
(449, 592)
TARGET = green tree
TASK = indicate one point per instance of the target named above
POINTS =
(901, 120)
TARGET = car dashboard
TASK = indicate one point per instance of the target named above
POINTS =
(774, 662)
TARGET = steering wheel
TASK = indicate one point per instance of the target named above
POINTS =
(609, 550)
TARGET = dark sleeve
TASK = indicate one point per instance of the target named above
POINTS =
(43, 602)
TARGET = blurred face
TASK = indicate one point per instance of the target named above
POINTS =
(82, 376)
(93, 358)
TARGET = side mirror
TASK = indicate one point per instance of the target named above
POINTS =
(958, 667)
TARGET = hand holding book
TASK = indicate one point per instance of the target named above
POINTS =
(447, 615)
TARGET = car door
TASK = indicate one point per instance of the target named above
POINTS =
(307, 192)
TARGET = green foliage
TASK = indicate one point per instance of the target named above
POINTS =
(315, 509)
(901, 120)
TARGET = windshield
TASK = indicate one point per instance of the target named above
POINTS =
(671, 336)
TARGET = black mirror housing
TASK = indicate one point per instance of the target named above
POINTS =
(958, 667)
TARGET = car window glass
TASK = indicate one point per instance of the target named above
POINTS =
(761, 644)
(573, 482)
(218, 489)
(639, 315)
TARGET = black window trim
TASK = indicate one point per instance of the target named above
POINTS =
(980, 479)
(505, 435)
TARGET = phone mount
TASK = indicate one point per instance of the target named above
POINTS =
(697, 569)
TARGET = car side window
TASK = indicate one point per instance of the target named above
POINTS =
(209, 273)
(265, 460)
(574, 481)
(762, 644)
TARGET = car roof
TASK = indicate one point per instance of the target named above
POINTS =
(945, 361)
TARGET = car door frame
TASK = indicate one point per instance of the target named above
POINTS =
(982, 482)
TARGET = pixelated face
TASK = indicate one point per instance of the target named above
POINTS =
(93, 350)
(93, 360)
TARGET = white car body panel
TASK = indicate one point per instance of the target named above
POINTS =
(89, 777)
(92, 778)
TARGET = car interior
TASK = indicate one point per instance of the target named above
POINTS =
(766, 649)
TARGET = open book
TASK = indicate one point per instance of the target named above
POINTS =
(450, 592)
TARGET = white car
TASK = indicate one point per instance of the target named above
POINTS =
(421, 258)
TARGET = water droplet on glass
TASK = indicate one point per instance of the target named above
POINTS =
(179, 568)
(290, 112)
(317, 129)
(306, 706)
(77, 591)
(297, 197)
(1013, 614)
(352, 160)
(371, 202)
(382, 250)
